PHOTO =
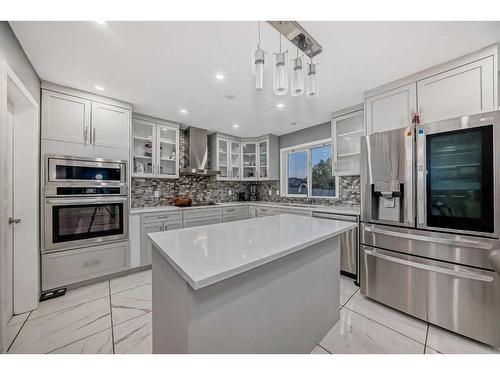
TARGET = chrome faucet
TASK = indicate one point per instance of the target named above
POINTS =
(300, 186)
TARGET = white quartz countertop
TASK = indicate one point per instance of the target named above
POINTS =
(308, 207)
(207, 254)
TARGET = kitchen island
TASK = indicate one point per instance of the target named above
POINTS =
(264, 285)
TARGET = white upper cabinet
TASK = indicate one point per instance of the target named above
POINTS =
(110, 126)
(249, 156)
(143, 148)
(462, 91)
(391, 109)
(246, 159)
(155, 147)
(168, 148)
(464, 86)
(65, 117)
(347, 130)
(235, 160)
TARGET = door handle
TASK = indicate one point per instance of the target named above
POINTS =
(85, 133)
(444, 241)
(93, 131)
(14, 220)
(427, 267)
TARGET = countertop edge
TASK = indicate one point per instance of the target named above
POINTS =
(196, 285)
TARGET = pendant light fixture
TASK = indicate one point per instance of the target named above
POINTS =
(312, 83)
(280, 77)
(258, 65)
(297, 85)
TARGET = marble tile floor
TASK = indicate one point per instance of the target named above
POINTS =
(114, 316)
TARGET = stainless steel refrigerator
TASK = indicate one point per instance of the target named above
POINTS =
(430, 213)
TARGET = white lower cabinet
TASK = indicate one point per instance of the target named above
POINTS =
(72, 266)
(152, 223)
(204, 216)
(230, 214)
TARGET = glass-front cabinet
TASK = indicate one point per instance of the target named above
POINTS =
(235, 160)
(249, 154)
(347, 131)
(155, 149)
(263, 158)
(245, 159)
(228, 158)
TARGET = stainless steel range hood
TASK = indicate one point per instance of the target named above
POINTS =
(198, 153)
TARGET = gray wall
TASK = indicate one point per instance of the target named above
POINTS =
(12, 52)
(314, 133)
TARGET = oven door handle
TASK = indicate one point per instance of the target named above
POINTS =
(444, 241)
(86, 200)
(427, 267)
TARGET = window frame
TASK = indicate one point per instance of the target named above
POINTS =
(284, 152)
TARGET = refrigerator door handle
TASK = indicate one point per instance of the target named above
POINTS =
(427, 267)
(444, 241)
(421, 177)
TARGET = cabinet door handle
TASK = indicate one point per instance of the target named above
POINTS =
(85, 133)
(91, 263)
(93, 131)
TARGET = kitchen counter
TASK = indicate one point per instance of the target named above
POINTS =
(263, 285)
(354, 210)
(207, 254)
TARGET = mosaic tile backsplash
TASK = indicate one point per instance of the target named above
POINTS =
(204, 189)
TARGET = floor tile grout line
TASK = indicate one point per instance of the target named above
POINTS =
(18, 332)
(357, 290)
(322, 347)
(111, 317)
(426, 336)
(392, 329)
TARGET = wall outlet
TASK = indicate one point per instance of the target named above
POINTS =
(230, 192)
(278, 192)
(157, 194)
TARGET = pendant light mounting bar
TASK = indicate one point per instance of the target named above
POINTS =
(296, 34)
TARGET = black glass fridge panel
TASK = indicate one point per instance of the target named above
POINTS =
(78, 222)
(460, 179)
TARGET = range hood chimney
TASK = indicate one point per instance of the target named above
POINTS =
(198, 153)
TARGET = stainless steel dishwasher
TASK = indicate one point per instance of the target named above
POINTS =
(348, 244)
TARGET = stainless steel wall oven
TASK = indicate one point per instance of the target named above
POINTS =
(85, 202)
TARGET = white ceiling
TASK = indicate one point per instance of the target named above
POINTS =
(161, 67)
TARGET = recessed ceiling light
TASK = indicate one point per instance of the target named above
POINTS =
(183, 111)
(99, 88)
(293, 123)
(219, 76)
(100, 22)
(229, 97)
(236, 126)
(280, 105)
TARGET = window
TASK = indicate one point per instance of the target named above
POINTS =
(306, 171)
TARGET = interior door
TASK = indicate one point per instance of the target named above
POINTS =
(7, 248)
(110, 126)
(456, 179)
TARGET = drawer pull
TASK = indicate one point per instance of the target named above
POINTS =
(91, 263)
(427, 267)
(444, 241)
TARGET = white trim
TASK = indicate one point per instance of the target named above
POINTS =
(305, 147)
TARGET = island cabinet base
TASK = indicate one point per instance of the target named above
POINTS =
(285, 306)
